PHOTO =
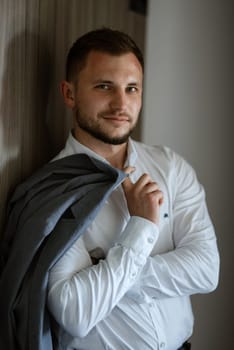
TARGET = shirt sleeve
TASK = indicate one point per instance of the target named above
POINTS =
(193, 266)
(81, 294)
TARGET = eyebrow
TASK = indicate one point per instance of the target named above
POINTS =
(103, 81)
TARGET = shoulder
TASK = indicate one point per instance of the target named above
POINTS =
(163, 155)
(174, 168)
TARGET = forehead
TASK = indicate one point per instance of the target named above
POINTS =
(103, 65)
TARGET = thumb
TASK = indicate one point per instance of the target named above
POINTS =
(127, 183)
(129, 170)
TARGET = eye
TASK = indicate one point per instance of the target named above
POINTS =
(103, 87)
(132, 89)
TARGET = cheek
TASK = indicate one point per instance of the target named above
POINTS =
(93, 104)
(136, 106)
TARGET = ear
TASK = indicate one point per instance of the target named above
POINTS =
(68, 92)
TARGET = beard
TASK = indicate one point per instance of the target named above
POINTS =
(95, 129)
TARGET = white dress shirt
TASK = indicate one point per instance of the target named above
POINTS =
(137, 296)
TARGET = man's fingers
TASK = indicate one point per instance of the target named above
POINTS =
(151, 187)
(129, 169)
(159, 197)
(127, 183)
(143, 197)
(144, 183)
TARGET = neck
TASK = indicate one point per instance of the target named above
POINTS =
(114, 154)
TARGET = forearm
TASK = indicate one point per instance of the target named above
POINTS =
(193, 265)
(79, 299)
(185, 271)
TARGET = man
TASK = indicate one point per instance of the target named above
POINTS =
(126, 283)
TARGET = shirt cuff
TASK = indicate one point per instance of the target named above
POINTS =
(140, 235)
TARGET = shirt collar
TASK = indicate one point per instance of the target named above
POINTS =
(73, 146)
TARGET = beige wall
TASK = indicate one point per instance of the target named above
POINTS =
(34, 38)
(189, 106)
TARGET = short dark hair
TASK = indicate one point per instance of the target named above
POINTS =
(106, 40)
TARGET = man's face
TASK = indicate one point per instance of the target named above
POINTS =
(108, 96)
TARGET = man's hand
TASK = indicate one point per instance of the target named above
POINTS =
(143, 198)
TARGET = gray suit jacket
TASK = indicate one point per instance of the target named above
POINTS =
(47, 213)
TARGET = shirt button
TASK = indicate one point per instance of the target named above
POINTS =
(134, 274)
(150, 240)
(162, 345)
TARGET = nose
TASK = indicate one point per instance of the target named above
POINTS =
(119, 100)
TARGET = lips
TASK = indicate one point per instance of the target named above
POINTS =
(115, 117)
(118, 119)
